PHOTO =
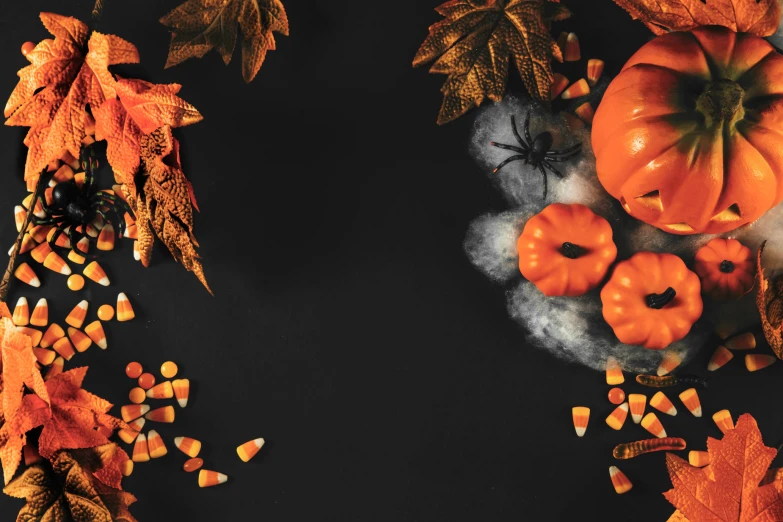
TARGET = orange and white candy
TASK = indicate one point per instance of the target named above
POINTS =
(27, 244)
(670, 361)
(95, 272)
(124, 309)
(133, 411)
(207, 478)
(637, 402)
(581, 416)
(76, 258)
(746, 341)
(106, 238)
(130, 433)
(719, 359)
(57, 264)
(249, 449)
(698, 458)
(95, 331)
(595, 68)
(78, 315)
(181, 391)
(572, 53)
(559, 84)
(64, 348)
(80, 341)
(691, 401)
(131, 232)
(45, 356)
(34, 335)
(40, 252)
(617, 418)
(136, 252)
(164, 414)
(619, 480)
(83, 245)
(62, 238)
(576, 90)
(53, 334)
(585, 112)
(39, 233)
(758, 361)
(127, 468)
(163, 390)
(40, 315)
(651, 423)
(661, 402)
(188, 446)
(21, 312)
(141, 452)
(26, 275)
(155, 445)
(723, 420)
(614, 375)
(20, 214)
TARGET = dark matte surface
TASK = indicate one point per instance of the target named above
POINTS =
(348, 327)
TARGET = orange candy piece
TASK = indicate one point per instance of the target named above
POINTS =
(53, 334)
(20, 214)
(75, 282)
(618, 416)
(169, 369)
(651, 423)
(146, 380)
(155, 445)
(165, 414)
(106, 238)
(595, 69)
(698, 458)
(26, 275)
(34, 335)
(207, 478)
(80, 341)
(670, 361)
(723, 420)
(576, 90)
(746, 341)
(126, 468)
(64, 348)
(133, 411)
(585, 112)
(95, 331)
(124, 309)
(130, 433)
(133, 370)
(163, 390)
(106, 312)
(40, 315)
(249, 449)
(44, 356)
(619, 480)
(192, 465)
(616, 396)
(56, 264)
(95, 272)
(581, 416)
(188, 446)
(39, 233)
(141, 451)
(691, 401)
(21, 312)
(181, 391)
(78, 315)
(719, 358)
(637, 402)
(40, 253)
(614, 375)
(757, 361)
(79, 260)
(661, 402)
(572, 52)
(137, 395)
(559, 83)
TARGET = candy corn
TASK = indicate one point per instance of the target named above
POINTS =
(21, 312)
(64, 348)
(249, 449)
(558, 85)
(40, 252)
(124, 309)
(614, 375)
(39, 233)
(757, 361)
(619, 480)
(561, 41)
(670, 361)
(106, 238)
(126, 468)
(31, 455)
(40, 315)
(691, 401)
(746, 341)
(181, 391)
(131, 232)
(130, 433)
(26, 275)
(572, 52)
(20, 214)
(106, 312)
(163, 390)
(616, 396)
(95, 272)
(585, 112)
(618, 416)
(133, 411)
(719, 358)
(53, 334)
(208, 478)
(78, 314)
(55, 369)
(76, 258)
(661, 402)
(95, 331)
(64, 173)
(137, 395)
(136, 251)
(140, 449)
(637, 401)
(698, 458)
(651, 423)
(723, 420)
(581, 416)
(576, 90)
(595, 68)
(164, 414)
(155, 444)
(62, 238)
(34, 335)
(79, 340)
(57, 264)
(192, 465)
(188, 446)
(27, 244)
(83, 245)
(44, 356)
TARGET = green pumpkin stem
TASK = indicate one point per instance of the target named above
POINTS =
(571, 251)
(721, 102)
(658, 301)
(726, 266)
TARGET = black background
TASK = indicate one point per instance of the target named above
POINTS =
(348, 327)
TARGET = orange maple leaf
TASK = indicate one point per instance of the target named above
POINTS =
(759, 17)
(65, 76)
(139, 108)
(738, 462)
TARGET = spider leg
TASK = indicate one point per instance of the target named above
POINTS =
(54, 220)
(509, 147)
(553, 169)
(527, 125)
(88, 178)
(78, 237)
(516, 134)
(118, 201)
(543, 173)
(507, 161)
(561, 158)
(570, 150)
(46, 208)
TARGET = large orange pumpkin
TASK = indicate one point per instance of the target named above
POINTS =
(689, 135)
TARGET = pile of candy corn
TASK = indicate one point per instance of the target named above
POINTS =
(562, 86)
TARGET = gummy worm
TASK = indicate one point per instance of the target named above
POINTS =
(630, 450)
(655, 381)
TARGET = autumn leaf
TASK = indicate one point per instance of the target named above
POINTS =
(68, 490)
(769, 300)
(759, 17)
(201, 25)
(4, 311)
(739, 462)
(163, 205)
(65, 76)
(475, 42)
(139, 108)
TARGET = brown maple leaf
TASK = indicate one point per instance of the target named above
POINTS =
(68, 490)
(475, 42)
(65, 76)
(759, 17)
(139, 108)
(738, 463)
(201, 25)
(769, 300)
(163, 204)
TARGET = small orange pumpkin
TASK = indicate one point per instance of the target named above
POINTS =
(566, 250)
(726, 269)
(652, 300)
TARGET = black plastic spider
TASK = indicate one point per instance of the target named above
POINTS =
(74, 207)
(536, 151)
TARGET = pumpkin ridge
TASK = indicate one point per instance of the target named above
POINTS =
(712, 66)
(751, 69)
(767, 161)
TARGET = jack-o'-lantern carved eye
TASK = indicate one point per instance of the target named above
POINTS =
(730, 214)
(651, 200)
(680, 228)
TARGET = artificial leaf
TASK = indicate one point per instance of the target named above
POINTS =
(475, 42)
(163, 204)
(68, 490)
(65, 76)
(769, 300)
(139, 108)
(738, 463)
(4, 311)
(201, 25)
(18, 368)
(759, 17)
